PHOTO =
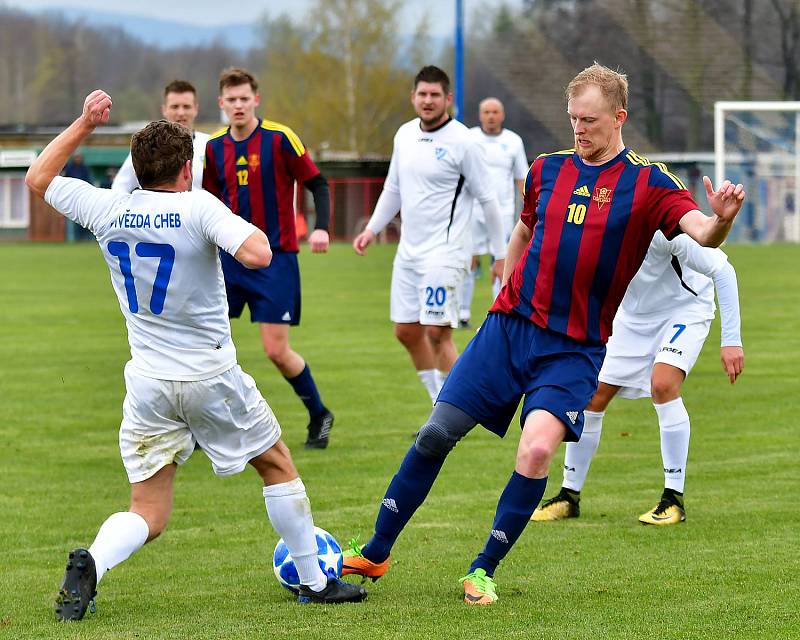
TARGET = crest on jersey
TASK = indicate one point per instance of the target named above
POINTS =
(602, 195)
(441, 152)
(254, 161)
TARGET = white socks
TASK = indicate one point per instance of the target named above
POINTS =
(119, 537)
(673, 422)
(440, 376)
(579, 454)
(428, 379)
(289, 511)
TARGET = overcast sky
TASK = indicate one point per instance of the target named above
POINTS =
(208, 12)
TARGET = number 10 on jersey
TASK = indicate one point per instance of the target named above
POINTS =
(166, 255)
(576, 213)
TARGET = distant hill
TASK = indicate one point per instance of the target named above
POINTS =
(163, 33)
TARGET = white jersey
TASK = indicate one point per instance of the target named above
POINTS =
(125, 181)
(506, 160)
(675, 274)
(437, 174)
(162, 251)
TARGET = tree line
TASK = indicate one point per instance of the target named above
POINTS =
(342, 78)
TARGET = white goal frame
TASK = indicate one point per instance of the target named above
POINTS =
(723, 107)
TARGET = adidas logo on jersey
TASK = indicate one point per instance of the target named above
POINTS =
(390, 504)
(573, 416)
(242, 160)
(582, 191)
(500, 535)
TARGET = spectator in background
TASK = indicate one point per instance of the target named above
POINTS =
(77, 169)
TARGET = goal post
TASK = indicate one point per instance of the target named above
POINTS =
(759, 142)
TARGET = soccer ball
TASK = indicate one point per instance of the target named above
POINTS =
(329, 554)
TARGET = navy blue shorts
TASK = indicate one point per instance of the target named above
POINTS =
(512, 358)
(271, 293)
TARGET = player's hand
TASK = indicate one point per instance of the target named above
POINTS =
(362, 241)
(497, 269)
(732, 361)
(96, 108)
(319, 241)
(725, 202)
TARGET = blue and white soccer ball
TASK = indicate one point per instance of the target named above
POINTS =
(329, 554)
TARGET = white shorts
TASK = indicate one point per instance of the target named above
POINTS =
(632, 351)
(162, 420)
(429, 295)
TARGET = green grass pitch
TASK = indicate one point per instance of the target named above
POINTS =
(731, 571)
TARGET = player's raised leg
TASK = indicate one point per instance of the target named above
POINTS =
(408, 489)
(675, 429)
(275, 339)
(577, 460)
(541, 436)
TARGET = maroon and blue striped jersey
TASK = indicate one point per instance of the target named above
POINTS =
(255, 178)
(591, 228)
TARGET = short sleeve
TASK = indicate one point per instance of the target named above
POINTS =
(530, 198)
(299, 163)
(668, 200)
(81, 202)
(219, 225)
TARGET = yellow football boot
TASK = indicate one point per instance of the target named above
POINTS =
(563, 505)
(668, 511)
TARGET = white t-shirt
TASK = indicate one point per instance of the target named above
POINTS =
(125, 181)
(162, 251)
(675, 274)
(437, 175)
(506, 160)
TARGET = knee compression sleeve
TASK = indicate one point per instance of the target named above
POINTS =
(445, 427)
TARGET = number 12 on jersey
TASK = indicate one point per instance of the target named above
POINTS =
(166, 255)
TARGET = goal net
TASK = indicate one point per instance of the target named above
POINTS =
(758, 144)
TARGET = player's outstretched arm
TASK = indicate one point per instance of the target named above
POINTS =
(96, 111)
(255, 252)
(726, 202)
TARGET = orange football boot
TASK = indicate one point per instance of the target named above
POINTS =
(354, 563)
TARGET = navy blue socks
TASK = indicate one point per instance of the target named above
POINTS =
(514, 509)
(407, 491)
(306, 389)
